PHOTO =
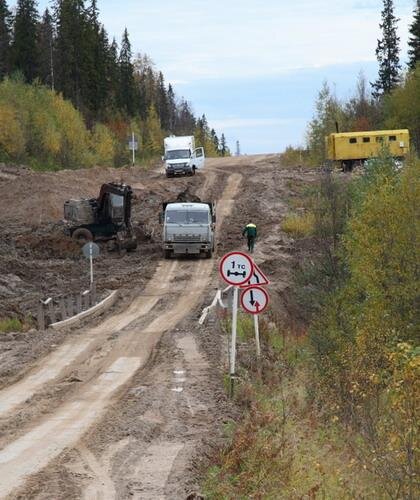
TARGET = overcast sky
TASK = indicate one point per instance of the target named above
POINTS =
(254, 68)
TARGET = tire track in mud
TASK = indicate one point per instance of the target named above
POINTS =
(66, 425)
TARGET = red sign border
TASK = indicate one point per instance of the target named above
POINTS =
(227, 256)
(264, 291)
(257, 284)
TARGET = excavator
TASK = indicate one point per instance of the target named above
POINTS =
(105, 218)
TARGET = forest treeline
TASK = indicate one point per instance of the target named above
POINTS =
(72, 96)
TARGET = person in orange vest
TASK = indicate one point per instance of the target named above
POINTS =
(250, 231)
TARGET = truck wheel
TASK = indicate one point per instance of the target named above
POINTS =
(209, 254)
(193, 170)
(167, 254)
(82, 235)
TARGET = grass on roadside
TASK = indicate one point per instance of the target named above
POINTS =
(11, 325)
(299, 225)
(282, 448)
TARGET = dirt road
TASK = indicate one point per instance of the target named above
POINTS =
(126, 407)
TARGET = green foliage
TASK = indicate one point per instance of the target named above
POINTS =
(402, 107)
(42, 128)
(328, 113)
(358, 335)
(11, 325)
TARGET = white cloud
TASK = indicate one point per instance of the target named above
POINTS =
(193, 40)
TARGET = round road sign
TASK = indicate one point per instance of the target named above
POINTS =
(254, 300)
(90, 249)
(236, 268)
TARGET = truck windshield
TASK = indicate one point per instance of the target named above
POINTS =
(178, 154)
(187, 217)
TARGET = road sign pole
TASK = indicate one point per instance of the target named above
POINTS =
(91, 264)
(233, 341)
(257, 334)
(134, 151)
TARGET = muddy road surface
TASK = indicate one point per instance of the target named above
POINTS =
(130, 404)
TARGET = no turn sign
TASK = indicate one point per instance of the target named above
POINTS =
(236, 268)
(254, 300)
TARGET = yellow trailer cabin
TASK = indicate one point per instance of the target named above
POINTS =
(350, 148)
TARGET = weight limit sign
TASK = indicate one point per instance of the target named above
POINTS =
(236, 268)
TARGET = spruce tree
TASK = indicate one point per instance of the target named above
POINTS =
(172, 108)
(113, 74)
(414, 40)
(5, 21)
(224, 150)
(214, 139)
(387, 52)
(97, 52)
(162, 102)
(126, 95)
(24, 49)
(71, 54)
(46, 50)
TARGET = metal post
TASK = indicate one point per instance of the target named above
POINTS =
(233, 341)
(132, 145)
(91, 264)
(257, 334)
(93, 294)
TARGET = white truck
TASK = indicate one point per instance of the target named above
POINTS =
(188, 228)
(181, 156)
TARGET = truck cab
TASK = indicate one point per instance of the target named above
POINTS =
(181, 156)
(188, 228)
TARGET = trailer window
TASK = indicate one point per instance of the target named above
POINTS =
(392, 137)
(366, 139)
(353, 140)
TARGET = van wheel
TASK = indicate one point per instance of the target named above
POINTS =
(209, 254)
(82, 235)
(193, 170)
(167, 254)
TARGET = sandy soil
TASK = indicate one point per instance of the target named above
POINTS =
(130, 405)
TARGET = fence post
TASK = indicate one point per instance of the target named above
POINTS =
(78, 303)
(62, 308)
(51, 312)
(70, 306)
(41, 316)
(86, 299)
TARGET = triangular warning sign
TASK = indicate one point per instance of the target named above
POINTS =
(257, 278)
